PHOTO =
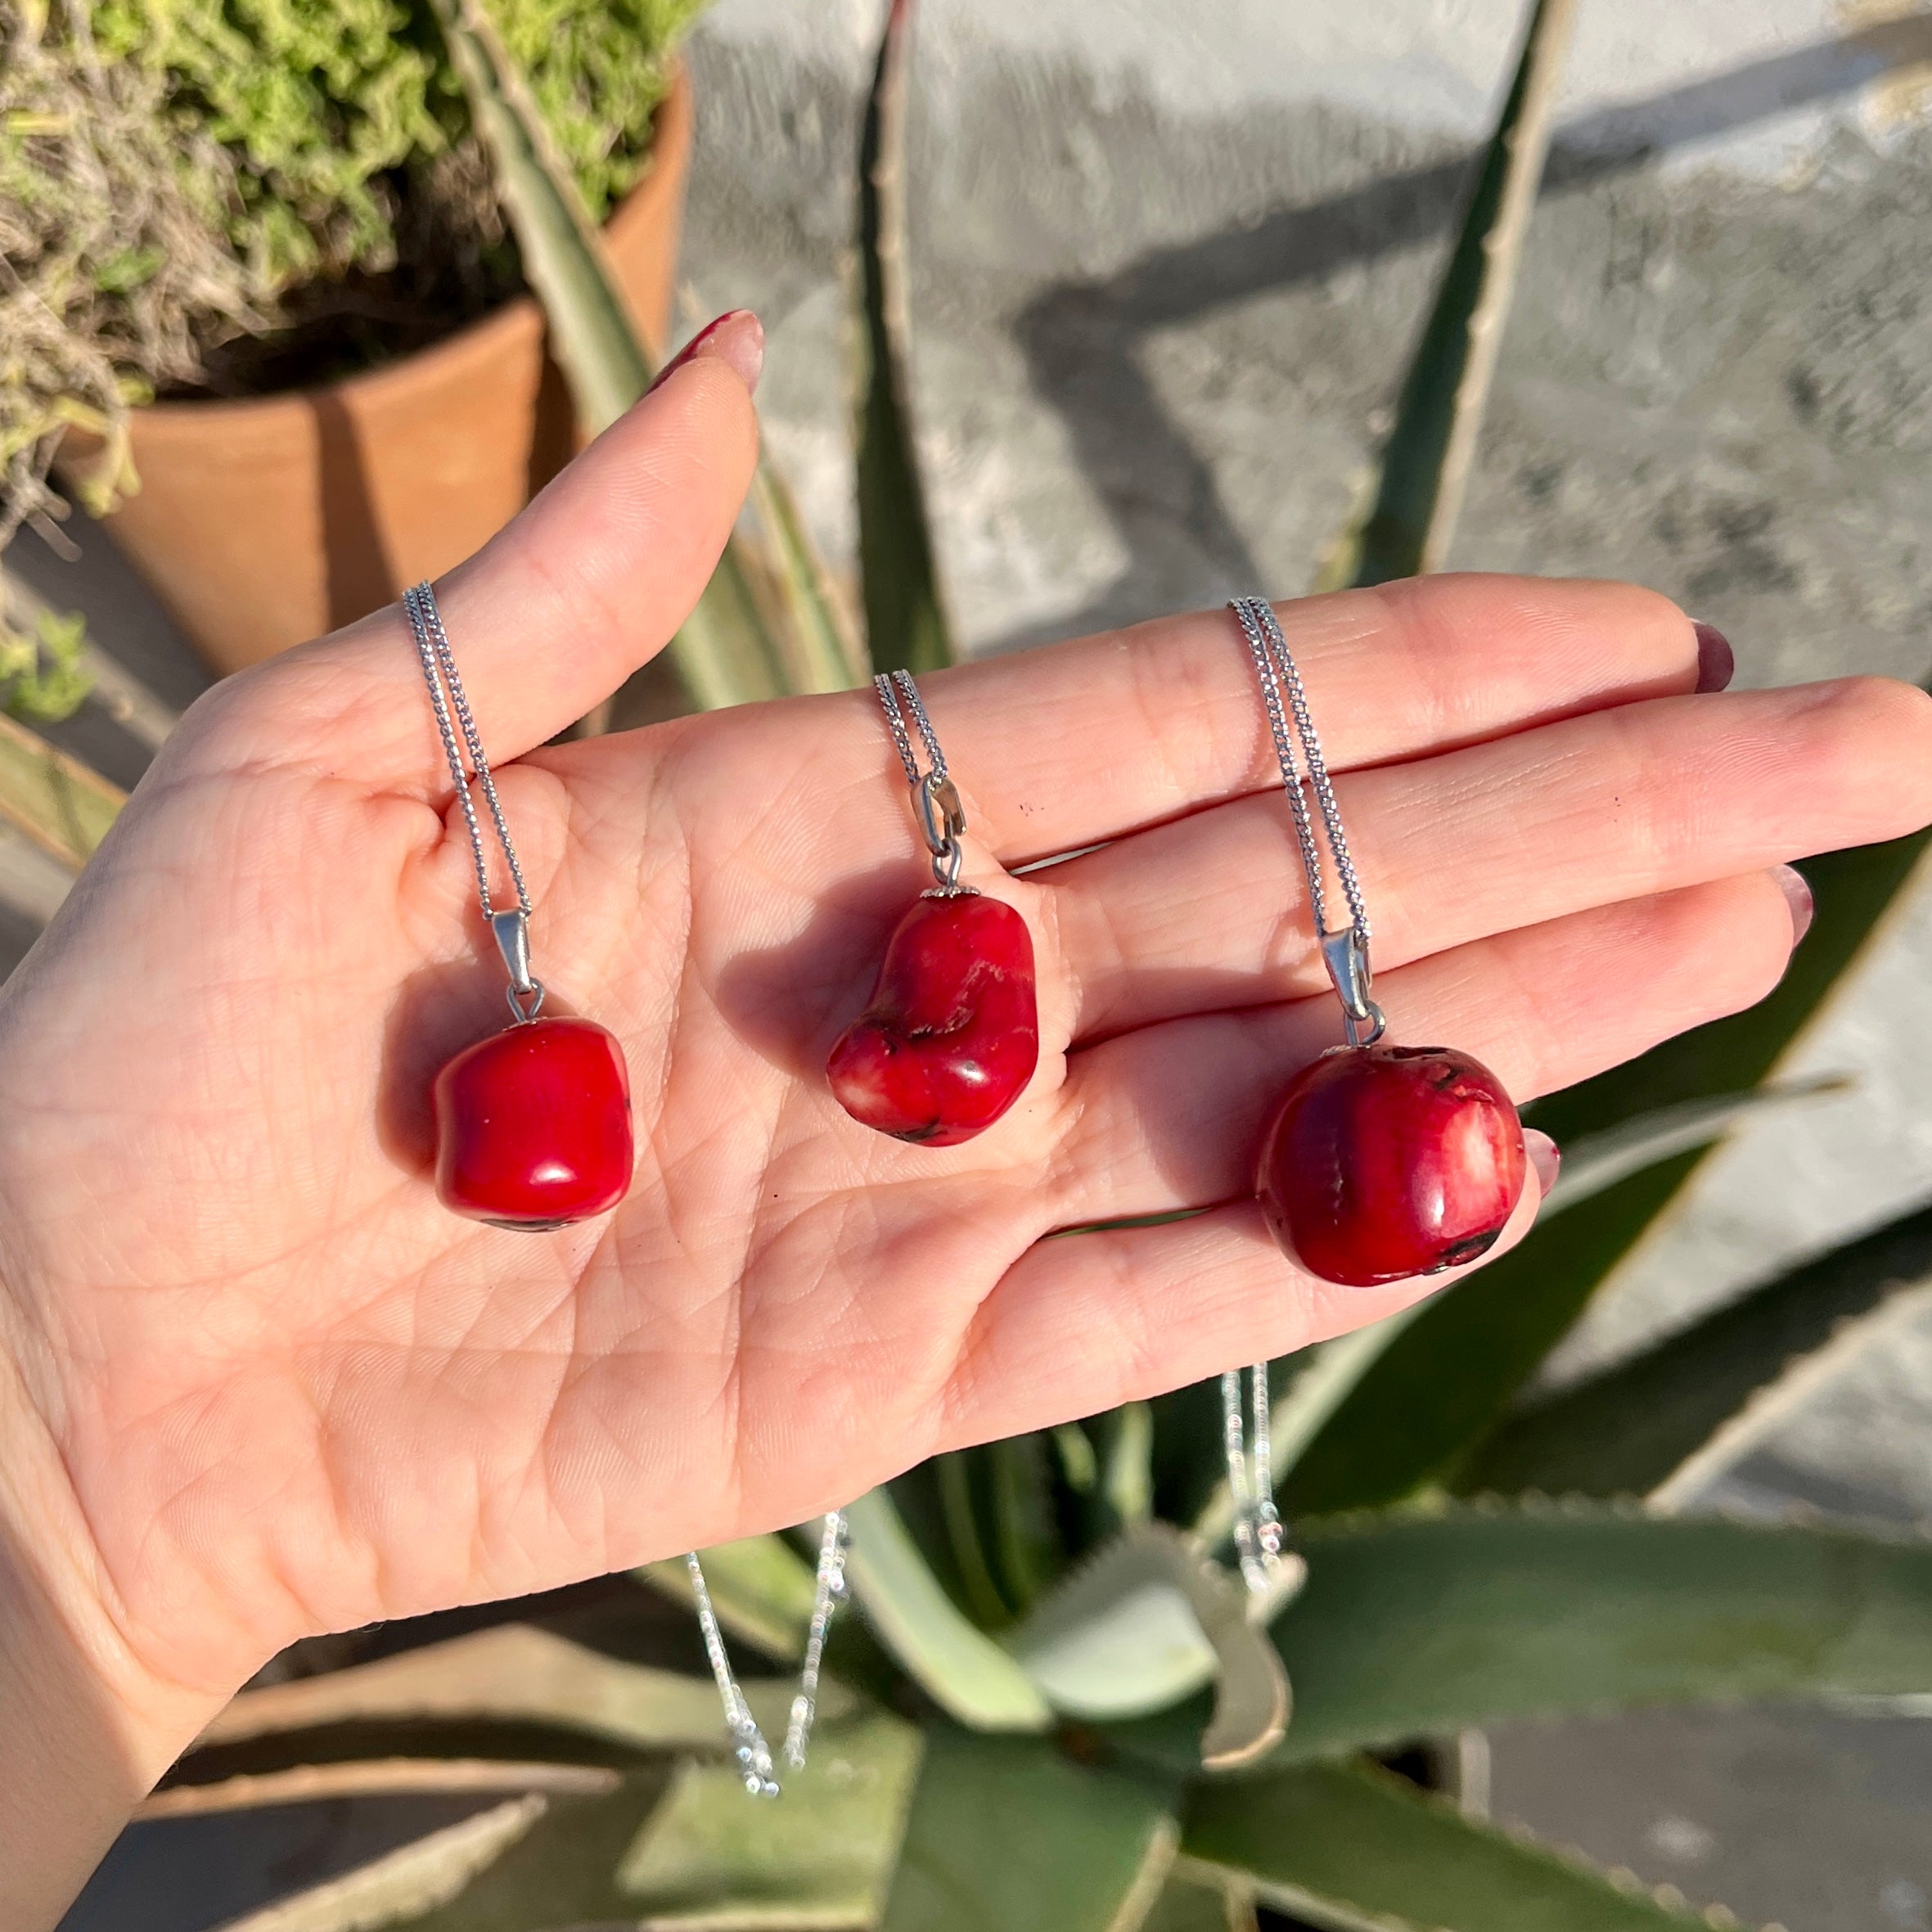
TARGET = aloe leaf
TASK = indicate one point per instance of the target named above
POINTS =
(1150, 1619)
(415, 1879)
(817, 638)
(709, 1859)
(514, 1673)
(1448, 1378)
(63, 806)
(1005, 1832)
(906, 624)
(1424, 464)
(1669, 1414)
(1432, 1624)
(760, 1586)
(1201, 1897)
(724, 651)
(562, 1871)
(1353, 1846)
(959, 1667)
(381, 1777)
(1026, 1535)
(1127, 1479)
(591, 334)
(1600, 1160)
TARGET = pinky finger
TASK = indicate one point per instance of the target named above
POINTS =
(1081, 1322)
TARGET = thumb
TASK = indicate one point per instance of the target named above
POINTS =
(590, 581)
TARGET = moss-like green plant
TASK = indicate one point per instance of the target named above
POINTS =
(173, 172)
(178, 176)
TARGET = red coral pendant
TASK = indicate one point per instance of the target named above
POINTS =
(951, 1035)
(1385, 1162)
(534, 1126)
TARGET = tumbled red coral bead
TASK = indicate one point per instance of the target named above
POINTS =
(1384, 1162)
(534, 1125)
(951, 1035)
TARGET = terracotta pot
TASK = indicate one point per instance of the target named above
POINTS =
(263, 522)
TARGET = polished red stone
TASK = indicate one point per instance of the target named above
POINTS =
(1384, 1162)
(534, 1125)
(952, 1033)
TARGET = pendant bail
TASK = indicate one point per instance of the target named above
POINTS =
(512, 932)
(1346, 955)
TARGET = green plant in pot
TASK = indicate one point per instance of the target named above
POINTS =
(260, 297)
(1053, 1707)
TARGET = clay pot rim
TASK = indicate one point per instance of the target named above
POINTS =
(671, 134)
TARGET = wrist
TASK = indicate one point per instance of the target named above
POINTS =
(85, 1728)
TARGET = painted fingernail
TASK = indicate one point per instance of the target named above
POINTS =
(1716, 663)
(737, 338)
(1545, 1156)
(1791, 883)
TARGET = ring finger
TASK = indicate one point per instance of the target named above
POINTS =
(1170, 1116)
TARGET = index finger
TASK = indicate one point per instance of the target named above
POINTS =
(1082, 742)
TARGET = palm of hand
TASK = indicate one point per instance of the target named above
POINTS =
(284, 1390)
(323, 1399)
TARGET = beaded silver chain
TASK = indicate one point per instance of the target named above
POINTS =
(754, 1754)
(1258, 1531)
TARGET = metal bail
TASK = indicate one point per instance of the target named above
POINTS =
(1346, 956)
(942, 818)
(512, 931)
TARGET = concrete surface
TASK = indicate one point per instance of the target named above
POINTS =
(1167, 267)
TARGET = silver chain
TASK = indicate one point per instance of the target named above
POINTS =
(453, 715)
(1258, 1530)
(828, 1590)
(457, 726)
(1344, 951)
(942, 817)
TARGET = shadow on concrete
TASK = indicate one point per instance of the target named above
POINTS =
(1082, 339)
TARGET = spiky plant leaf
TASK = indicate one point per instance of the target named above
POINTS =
(1449, 1376)
(724, 652)
(1410, 515)
(960, 1667)
(403, 1883)
(1005, 1832)
(906, 624)
(1441, 1623)
(1428, 1622)
(63, 806)
(1352, 1846)
(1150, 1619)
(1627, 1431)
(306, 1784)
(513, 1674)
(711, 1859)
(1201, 1897)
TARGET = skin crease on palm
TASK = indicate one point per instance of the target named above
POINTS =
(255, 1383)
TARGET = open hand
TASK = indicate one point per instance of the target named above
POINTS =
(268, 1386)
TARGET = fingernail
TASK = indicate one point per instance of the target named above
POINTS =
(1791, 883)
(1717, 662)
(1545, 1156)
(737, 338)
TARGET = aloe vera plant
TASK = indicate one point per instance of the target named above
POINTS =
(1056, 1711)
